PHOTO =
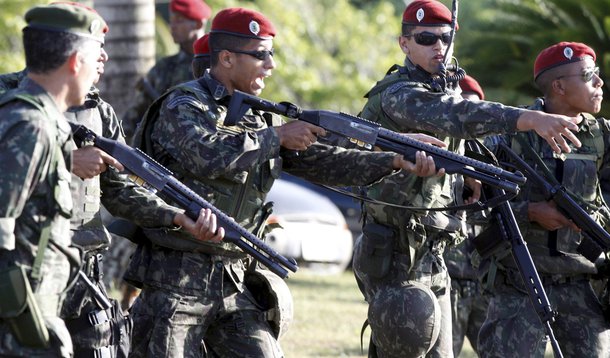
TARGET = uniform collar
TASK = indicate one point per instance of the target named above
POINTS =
(217, 89)
(416, 72)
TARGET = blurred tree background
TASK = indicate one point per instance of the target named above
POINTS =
(331, 52)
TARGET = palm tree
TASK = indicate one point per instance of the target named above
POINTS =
(130, 44)
(504, 37)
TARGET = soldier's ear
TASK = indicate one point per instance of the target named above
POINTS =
(402, 42)
(558, 87)
(226, 58)
(75, 62)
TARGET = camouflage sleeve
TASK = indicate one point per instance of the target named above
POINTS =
(127, 200)
(325, 164)
(121, 196)
(415, 108)
(187, 132)
(23, 147)
(111, 124)
(605, 126)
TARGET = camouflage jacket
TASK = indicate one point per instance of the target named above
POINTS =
(405, 101)
(118, 194)
(411, 105)
(556, 252)
(33, 194)
(167, 72)
(234, 167)
(11, 80)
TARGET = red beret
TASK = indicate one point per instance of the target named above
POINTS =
(243, 22)
(469, 84)
(561, 54)
(192, 9)
(201, 47)
(427, 13)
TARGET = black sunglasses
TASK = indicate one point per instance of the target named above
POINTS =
(428, 38)
(586, 74)
(259, 54)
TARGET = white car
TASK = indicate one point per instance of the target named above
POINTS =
(313, 229)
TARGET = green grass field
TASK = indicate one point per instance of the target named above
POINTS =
(329, 312)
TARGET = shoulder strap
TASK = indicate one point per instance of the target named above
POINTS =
(141, 138)
(45, 233)
(395, 74)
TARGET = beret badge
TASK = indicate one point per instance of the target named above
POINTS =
(254, 27)
(420, 15)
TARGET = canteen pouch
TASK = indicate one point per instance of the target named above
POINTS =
(377, 246)
(491, 241)
(18, 308)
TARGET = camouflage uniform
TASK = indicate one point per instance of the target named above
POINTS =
(198, 293)
(167, 72)
(109, 332)
(468, 302)
(400, 247)
(34, 194)
(512, 328)
(121, 198)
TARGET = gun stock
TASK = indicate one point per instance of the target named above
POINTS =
(373, 135)
(151, 174)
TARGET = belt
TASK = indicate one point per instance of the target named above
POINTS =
(90, 319)
(513, 279)
(102, 352)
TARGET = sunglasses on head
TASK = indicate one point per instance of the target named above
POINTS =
(259, 54)
(586, 74)
(428, 38)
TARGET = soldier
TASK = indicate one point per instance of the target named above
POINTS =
(92, 184)
(569, 80)
(201, 58)
(187, 20)
(201, 292)
(399, 260)
(63, 49)
(468, 304)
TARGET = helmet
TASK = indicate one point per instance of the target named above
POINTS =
(272, 293)
(405, 320)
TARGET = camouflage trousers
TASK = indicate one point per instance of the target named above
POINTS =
(430, 272)
(469, 308)
(96, 331)
(190, 298)
(513, 329)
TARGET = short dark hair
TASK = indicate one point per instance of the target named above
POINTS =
(46, 51)
(199, 65)
(407, 29)
(221, 41)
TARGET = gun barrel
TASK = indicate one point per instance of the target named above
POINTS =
(160, 178)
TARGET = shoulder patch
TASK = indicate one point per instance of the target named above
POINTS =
(396, 87)
(186, 100)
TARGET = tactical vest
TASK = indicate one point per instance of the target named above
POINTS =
(429, 192)
(241, 196)
(411, 228)
(86, 224)
(57, 174)
(575, 171)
